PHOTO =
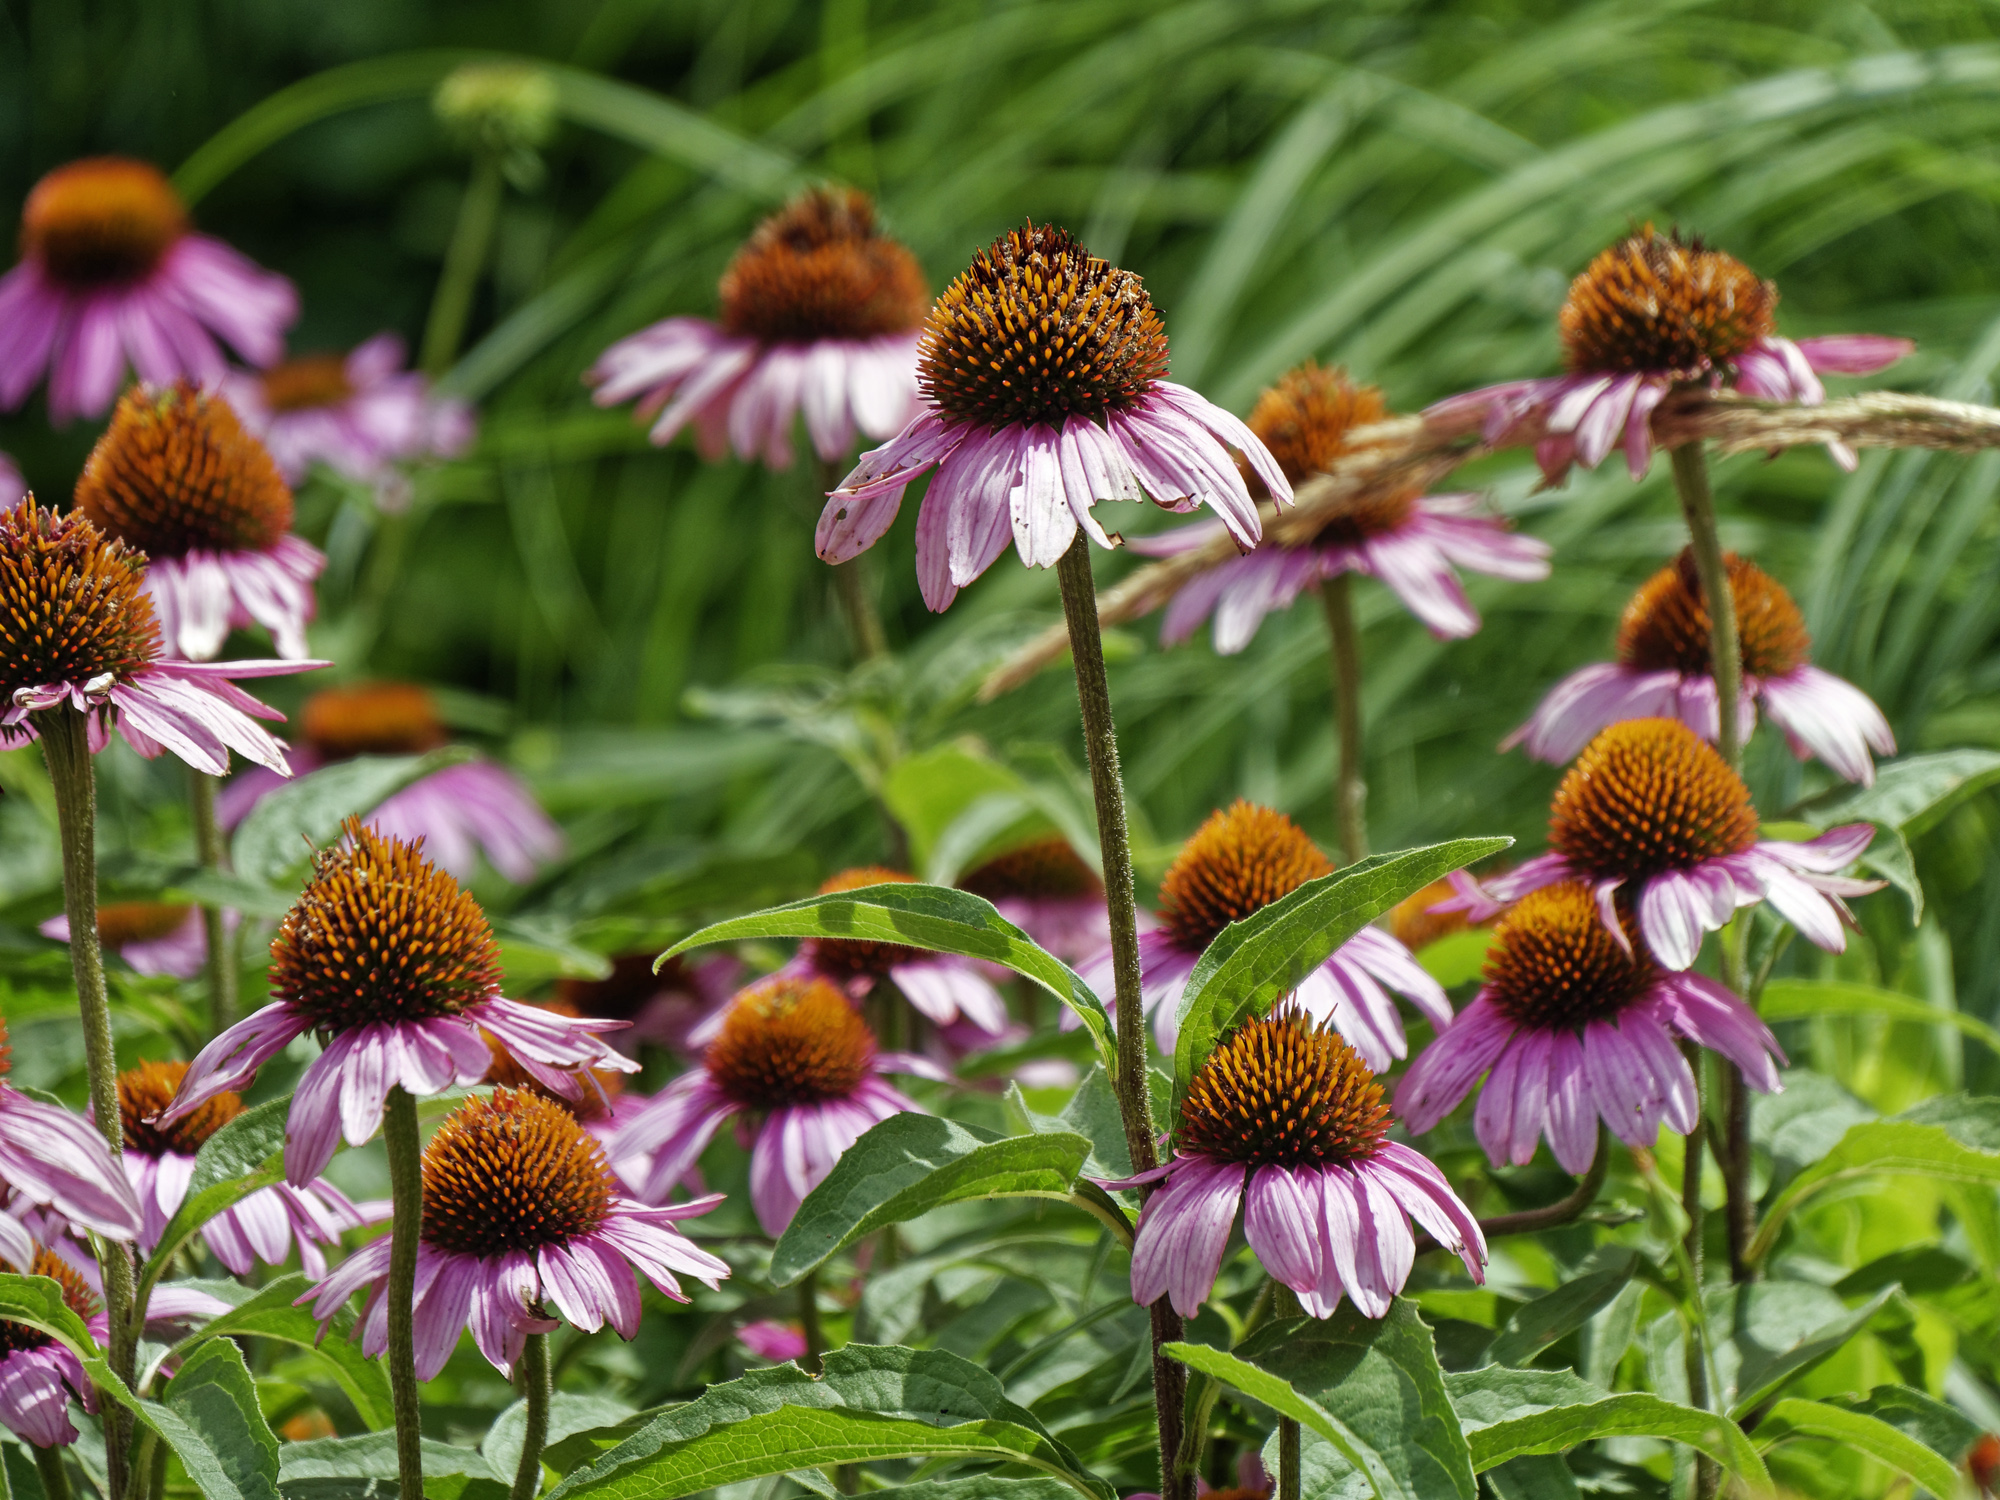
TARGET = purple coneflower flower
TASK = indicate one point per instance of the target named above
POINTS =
(771, 1341)
(413, 1012)
(159, 1160)
(523, 1223)
(1285, 1119)
(1651, 313)
(460, 812)
(1574, 1026)
(176, 476)
(1409, 540)
(360, 413)
(942, 987)
(1238, 862)
(1652, 811)
(154, 937)
(110, 272)
(1044, 888)
(795, 1052)
(820, 312)
(95, 645)
(50, 1157)
(1043, 373)
(1665, 670)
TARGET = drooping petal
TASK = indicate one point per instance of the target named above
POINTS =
(1183, 1230)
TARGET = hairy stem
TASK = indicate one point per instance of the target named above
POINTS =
(1706, 1475)
(1740, 1207)
(406, 1189)
(1285, 1304)
(208, 851)
(1698, 506)
(66, 747)
(451, 304)
(535, 1390)
(1350, 792)
(815, 1356)
(851, 583)
(53, 1471)
(1135, 1105)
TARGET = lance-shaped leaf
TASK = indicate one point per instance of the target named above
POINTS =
(1508, 1413)
(909, 1164)
(285, 827)
(1913, 794)
(1372, 1389)
(1944, 1430)
(570, 1416)
(1253, 962)
(38, 1302)
(1792, 1417)
(1537, 1324)
(271, 1315)
(372, 1457)
(932, 917)
(243, 1156)
(872, 1403)
(1797, 999)
(1769, 1332)
(1953, 1139)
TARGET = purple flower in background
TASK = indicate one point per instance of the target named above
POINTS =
(1044, 888)
(772, 1342)
(110, 272)
(1651, 313)
(415, 1013)
(49, 1157)
(1652, 811)
(523, 1223)
(1665, 670)
(360, 413)
(679, 1005)
(460, 812)
(820, 312)
(154, 937)
(1043, 373)
(1573, 1026)
(12, 485)
(1286, 1120)
(793, 1052)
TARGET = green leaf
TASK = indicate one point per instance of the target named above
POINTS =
(1945, 1430)
(1508, 1413)
(372, 1457)
(222, 1439)
(1952, 1139)
(1541, 1322)
(1253, 962)
(1913, 794)
(909, 1164)
(569, 1416)
(243, 1156)
(1855, 1429)
(932, 917)
(283, 829)
(871, 1404)
(1372, 1389)
(270, 1314)
(38, 1302)
(1092, 1112)
(1533, 1476)
(1800, 999)
(1769, 1332)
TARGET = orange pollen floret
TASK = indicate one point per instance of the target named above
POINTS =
(1649, 795)
(103, 221)
(306, 382)
(1281, 1091)
(1304, 419)
(175, 472)
(1554, 964)
(122, 922)
(820, 268)
(1238, 862)
(1655, 302)
(858, 957)
(19, 1338)
(146, 1091)
(372, 718)
(73, 604)
(513, 1172)
(380, 934)
(1044, 868)
(1037, 329)
(790, 1041)
(1665, 627)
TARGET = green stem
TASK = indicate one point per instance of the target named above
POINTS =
(1740, 1207)
(535, 1388)
(1698, 506)
(851, 583)
(54, 1472)
(1706, 1475)
(815, 1357)
(156, 1467)
(66, 747)
(208, 851)
(1350, 795)
(451, 304)
(406, 1188)
(1285, 1304)
(1135, 1104)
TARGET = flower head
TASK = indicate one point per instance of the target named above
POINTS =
(110, 270)
(1653, 312)
(522, 1219)
(1043, 370)
(38, 1374)
(1287, 1119)
(1664, 669)
(77, 627)
(943, 987)
(1239, 861)
(820, 312)
(395, 968)
(177, 477)
(1411, 541)
(1573, 1026)
(154, 937)
(1651, 810)
(793, 1055)
(1045, 888)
